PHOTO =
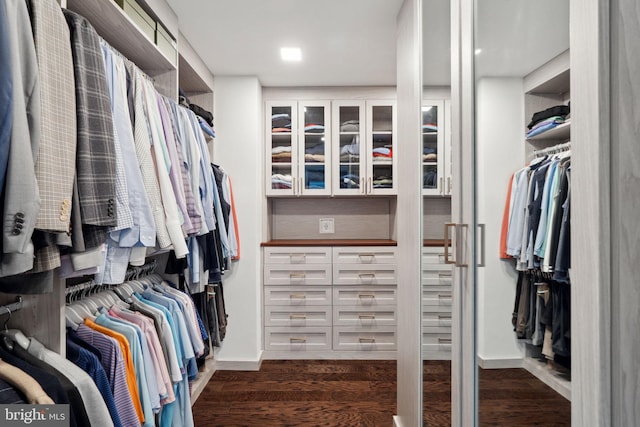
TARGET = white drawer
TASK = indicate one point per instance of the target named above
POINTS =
(365, 296)
(297, 255)
(436, 275)
(364, 255)
(436, 342)
(284, 274)
(365, 318)
(306, 339)
(297, 296)
(319, 315)
(437, 296)
(436, 320)
(433, 255)
(355, 339)
(354, 274)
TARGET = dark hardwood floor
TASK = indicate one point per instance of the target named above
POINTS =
(363, 393)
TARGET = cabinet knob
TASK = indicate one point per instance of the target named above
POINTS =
(297, 340)
(294, 316)
(297, 296)
(367, 316)
(444, 340)
(367, 340)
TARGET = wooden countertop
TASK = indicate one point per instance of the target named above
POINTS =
(330, 242)
(346, 242)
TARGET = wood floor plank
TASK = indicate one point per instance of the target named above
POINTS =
(363, 393)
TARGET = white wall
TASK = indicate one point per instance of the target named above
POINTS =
(238, 149)
(500, 151)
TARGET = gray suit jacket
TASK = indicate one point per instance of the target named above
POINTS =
(21, 197)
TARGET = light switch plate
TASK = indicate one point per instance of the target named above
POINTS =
(327, 226)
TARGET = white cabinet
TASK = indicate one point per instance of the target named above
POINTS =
(436, 148)
(363, 141)
(330, 301)
(437, 299)
(298, 148)
(380, 145)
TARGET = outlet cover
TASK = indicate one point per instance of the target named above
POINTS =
(327, 226)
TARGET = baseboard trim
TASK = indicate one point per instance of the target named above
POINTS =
(239, 365)
(500, 363)
(396, 421)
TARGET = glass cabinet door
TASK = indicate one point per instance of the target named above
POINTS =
(433, 152)
(381, 125)
(314, 157)
(281, 148)
(348, 142)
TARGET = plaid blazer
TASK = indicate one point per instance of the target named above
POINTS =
(95, 155)
(57, 151)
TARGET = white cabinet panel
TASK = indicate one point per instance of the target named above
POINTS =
(365, 318)
(365, 296)
(283, 274)
(297, 296)
(297, 316)
(364, 255)
(437, 296)
(297, 255)
(355, 339)
(365, 274)
(437, 275)
(304, 339)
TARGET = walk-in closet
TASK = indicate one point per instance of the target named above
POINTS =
(342, 213)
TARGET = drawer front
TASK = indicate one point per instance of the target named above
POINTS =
(436, 342)
(354, 274)
(297, 255)
(364, 255)
(365, 318)
(433, 255)
(436, 275)
(285, 316)
(365, 296)
(304, 339)
(297, 296)
(283, 274)
(436, 320)
(438, 330)
(437, 296)
(355, 339)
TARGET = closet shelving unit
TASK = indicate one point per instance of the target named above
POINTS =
(545, 87)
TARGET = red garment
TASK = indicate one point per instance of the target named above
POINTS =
(235, 221)
(505, 223)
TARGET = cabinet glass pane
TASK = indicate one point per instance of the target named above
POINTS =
(314, 177)
(349, 170)
(430, 146)
(281, 146)
(314, 119)
(382, 146)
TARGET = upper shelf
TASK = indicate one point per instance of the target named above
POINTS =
(119, 30)
(552, 77)
(560, 132)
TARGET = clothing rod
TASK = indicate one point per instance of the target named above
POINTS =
(554, 149)
(126, 60)
(11, 308)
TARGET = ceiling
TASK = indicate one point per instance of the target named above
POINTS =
(353, 42)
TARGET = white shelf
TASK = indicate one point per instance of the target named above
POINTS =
(117, 29)
(548, 376)
(560, 132)
(202, 380)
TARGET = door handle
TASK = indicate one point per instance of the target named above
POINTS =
(481, 240)
(447, 242)
(458, 247)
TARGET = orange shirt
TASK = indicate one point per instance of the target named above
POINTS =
(505, 223)
(132, 382)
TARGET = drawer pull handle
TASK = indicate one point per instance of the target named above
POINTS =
(444, 316)
(296, 276)
(366, 258)
(297, 258)
(444, 340)
(372, 296)
(367, 316)
(445, 296)
(297, 340)
(367, 340)
(367, 277)
(298, 316)
(297, 296)
(446, 274)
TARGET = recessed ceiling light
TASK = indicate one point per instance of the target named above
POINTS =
(291, 54)
(478, 51)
